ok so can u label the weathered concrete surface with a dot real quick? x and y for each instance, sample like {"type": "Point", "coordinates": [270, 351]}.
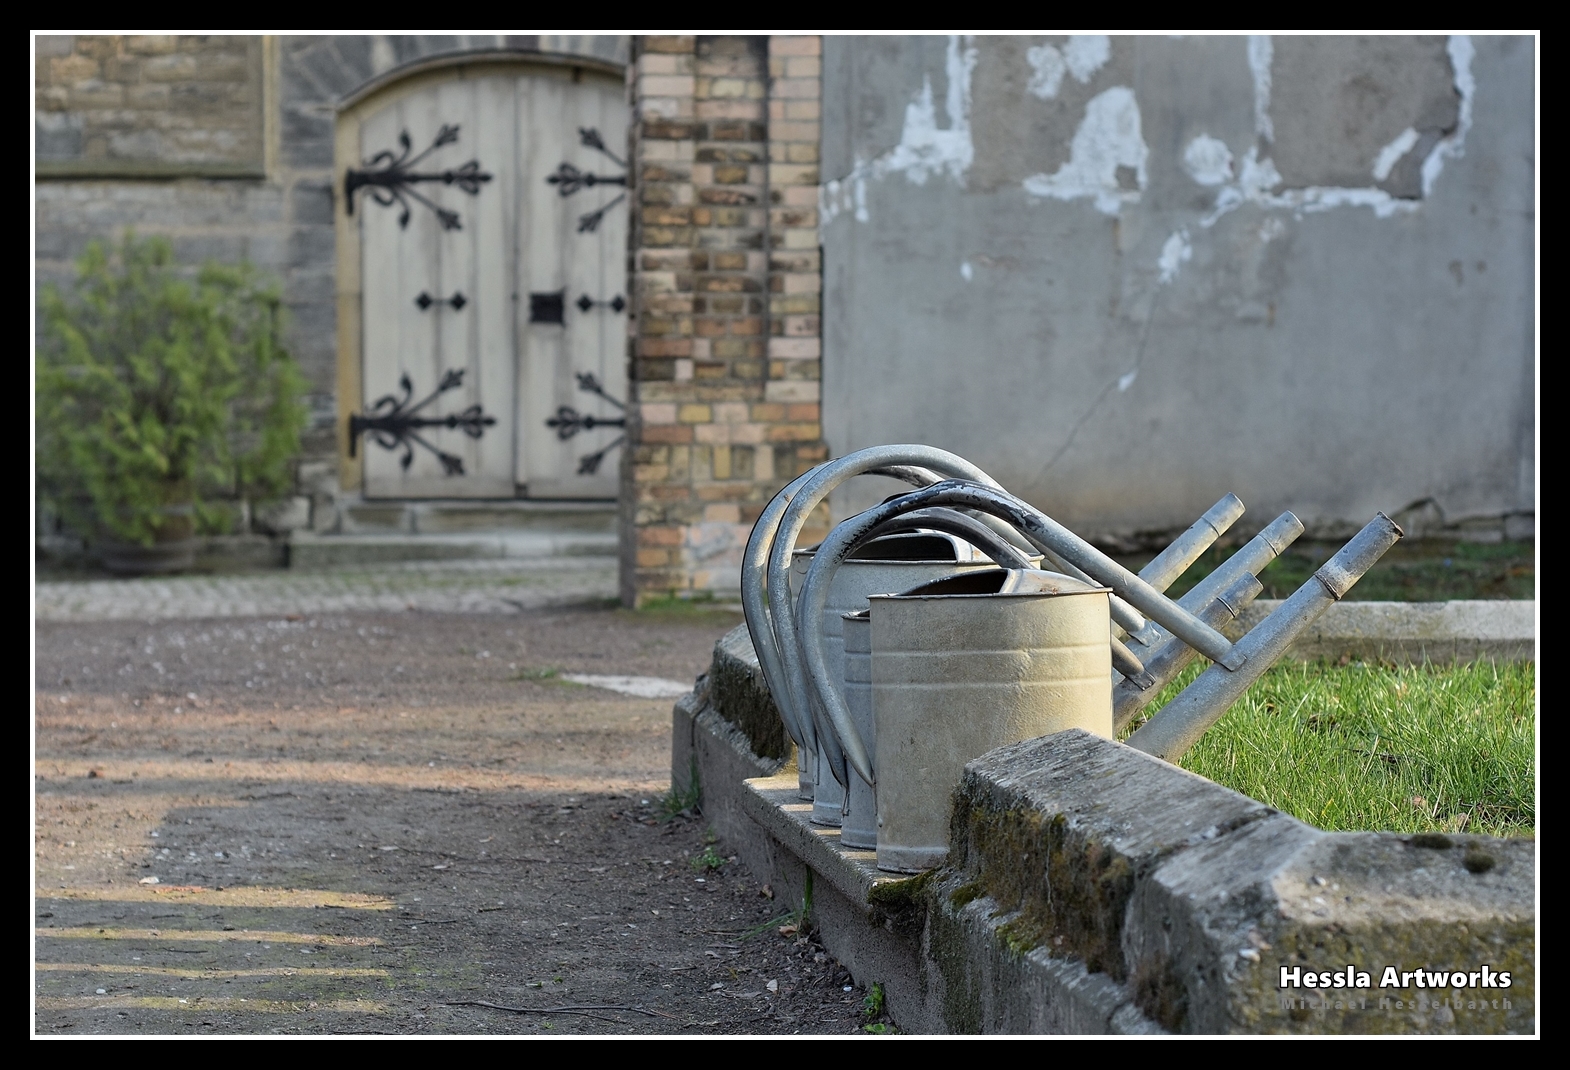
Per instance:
{"type": "Point", "coordinates": [1195, 897]}
{"type": "Point", "coordinates": [1209, 933]}
{"type": "Point", "coordinates": [1411, 632]}
{"type": "Point", "coordinates": [1127, 276]}
{"type": "Point", "coordinates": [742, 697]}
{"type": "Point", "coordinates": [1093, 889]}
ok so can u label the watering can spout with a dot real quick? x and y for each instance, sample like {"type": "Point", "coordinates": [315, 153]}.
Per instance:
{"type": "Point", "coordinates": [1170, 733]}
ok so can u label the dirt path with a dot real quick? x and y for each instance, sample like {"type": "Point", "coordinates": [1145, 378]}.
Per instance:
{"type": "Point", "coordinates": [372, 823]}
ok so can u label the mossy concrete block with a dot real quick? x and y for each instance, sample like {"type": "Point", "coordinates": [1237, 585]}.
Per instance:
{"type": "Point", "coordinates": [980, 983]}
{"type": "Point", "coordinates": [1211, 930]}
{"type": "Point", "coordinates": [1061, 829]}
{"type": "Point", "coordinates": [1091, 888]}
{"type": "Point", "coordinates": [712, 755]}
{"type": "Point", "coordinates": [742, 697]}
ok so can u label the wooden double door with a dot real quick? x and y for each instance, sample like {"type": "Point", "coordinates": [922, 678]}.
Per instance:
{"type": "Point", "coordinates": [492, 214]}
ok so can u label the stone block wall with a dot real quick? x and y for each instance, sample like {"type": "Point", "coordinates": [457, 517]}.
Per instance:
{"type": "Point", "coordinates": [150, 106]}
{"type": "Point", "coordinates": [224, 145]}
{"type": "Point", "coordinates": [726, 271]}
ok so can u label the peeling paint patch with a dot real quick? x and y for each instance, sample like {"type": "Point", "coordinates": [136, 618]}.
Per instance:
{"type": "Point", "coordinates": [1048, 68]}
{"type": "Point", "coordinates": [1260, 55]}
{"type": "Point", "coordinates": [1208, 160]}
{"type": "Point", "coordinates": [1461, 52]}
{"type": "Point", "coordinates": [925, 148]}
{"type": "Point", "coordinates": [1127, 380]}
{"type": "Point", "coordinates": [1391, 154]}
{"type": "Point", "coordinates": [1258, 179]}
{"type": "Point", "coordinates": [1086, 54]}
{"type": "Point", "coordinates": [1082, 56]}
{"type": "Point", "coordinates": [966, 272]}
{"type": "Point", "coordinates": [1174, 254]}
{"type": "Point", "coordinates": [1107, 156]}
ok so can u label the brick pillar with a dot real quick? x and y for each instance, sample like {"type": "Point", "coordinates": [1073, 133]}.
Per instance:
{"type": "Point", "coordinates": [725, 352]}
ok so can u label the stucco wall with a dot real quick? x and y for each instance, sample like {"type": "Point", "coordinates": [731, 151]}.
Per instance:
{"type": "Point", "coordinates": [1127, 276]}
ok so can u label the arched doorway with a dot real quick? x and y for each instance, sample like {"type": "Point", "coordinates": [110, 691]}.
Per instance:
{"type": "Point", "coordinates": [482, 260]}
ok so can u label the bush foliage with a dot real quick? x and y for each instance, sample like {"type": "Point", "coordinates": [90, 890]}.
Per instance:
{"type": "Point", "coordinates": [161, 388]}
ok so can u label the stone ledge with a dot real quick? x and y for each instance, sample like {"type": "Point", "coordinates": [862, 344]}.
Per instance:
{"type": "Point", "coordinates": [1412, 632]}
{"type": "Point", "coordinates": [1091, 888]}
{"type": "Point", "coordinates": [773, 803]}
{"type": "Point", "coordinates": [308, 551]}
{"type": "Point", "coordinates": [1193, 895]}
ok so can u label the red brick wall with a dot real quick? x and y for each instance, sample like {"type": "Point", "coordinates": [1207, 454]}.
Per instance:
{"type": "Point", "coordinates": [726, 277]}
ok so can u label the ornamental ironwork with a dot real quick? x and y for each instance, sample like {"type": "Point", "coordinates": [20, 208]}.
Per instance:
{"type": "Point", "coordinates": [568, 421]}
{"type": "Point", "coordinates": [390, 179]}
{"type": "Point", "coordinates": [569, 180]}
{"type": "Point", "coordinates": [587, 303]}
{"type": "Point", "coordinates": [394, 423]}
{"type": "Point", "coordinates": [455, 302]}
{"type": "Point", "coordinates": [548, 307]}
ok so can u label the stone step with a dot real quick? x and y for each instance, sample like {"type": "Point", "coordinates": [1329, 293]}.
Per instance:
{"type": "Point", "coordinates": [457, 516]}
{"type": "Point", "coordinates": [311, 551]}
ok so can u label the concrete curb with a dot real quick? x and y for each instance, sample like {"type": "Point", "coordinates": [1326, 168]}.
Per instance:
{"type": "Point", "coordinates": [1412, 632]}
{"type": "Point", "coordinates": [309, 551]}
{"type": "Point", "coordinates": [1094, 889]}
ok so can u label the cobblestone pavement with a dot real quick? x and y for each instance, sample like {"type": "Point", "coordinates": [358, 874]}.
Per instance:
{"type": "Point", "coordinates": [480, 586]}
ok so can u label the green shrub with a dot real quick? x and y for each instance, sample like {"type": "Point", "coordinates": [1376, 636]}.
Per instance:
{"type": "Point", "coordinates": [157, 390]}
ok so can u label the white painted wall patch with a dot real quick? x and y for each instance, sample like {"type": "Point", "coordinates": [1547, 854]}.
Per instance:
{"type": "Point", "coordinates": [1261, 54]}
{"type": "Point", "coordinates": [1177, 251]}
{"type": "Point", "coordinates": [1208, 160]}
{"type": "Point", "coordinates": [1461, 52]}
{"type": "Point", "coordinates": [1391, 154]}
{"type": "Point", "coordinates": [1048, 69]}
{"type": "Point", "coordinates": [1087, 53]}
{"type": "Point", "coordinates": [1081, 55]}
{"type": "Point", "coordinates": [925, 148]}
{"type": "Point", "coordinates": [1108, 138]}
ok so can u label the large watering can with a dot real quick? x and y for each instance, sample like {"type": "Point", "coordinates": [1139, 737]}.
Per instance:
{"type": "Point", "coordinates": [965, 665]}
{"type": "Point", "coordinates": [888, 563]}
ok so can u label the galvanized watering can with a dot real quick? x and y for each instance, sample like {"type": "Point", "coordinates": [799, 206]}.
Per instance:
{"type": "Point", "coordinates": [1148, 640]}
{"type": "Point", "coordinates": [965, 665]}
{"type": "Point", "coordinates": [888, 563]}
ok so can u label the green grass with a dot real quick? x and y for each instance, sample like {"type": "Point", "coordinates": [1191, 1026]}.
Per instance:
{"type": "Point", "coordinates": [1376, 747]}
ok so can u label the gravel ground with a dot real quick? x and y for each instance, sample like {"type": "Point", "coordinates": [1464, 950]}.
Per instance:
{"type": "Point", "coordinates": [382, 822]}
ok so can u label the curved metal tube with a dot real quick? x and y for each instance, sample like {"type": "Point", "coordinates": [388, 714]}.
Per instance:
{"type": "Point", "coordinates": [900, 461]}
{"type": "Point", "coordinates": [756, 609]}
{"type": "Point", "coordinates": [1046, 533]}
{"type": "Point", "coordinates": [810, 627]}
{"type": "Point", "coordinates": [954, 522]}
{"type": "Point", "coordinates": [832, 552]}
{"type": "Point", "coordinates": [755, 605]}
{"type": "Point", "coordinates": [1040, 529]}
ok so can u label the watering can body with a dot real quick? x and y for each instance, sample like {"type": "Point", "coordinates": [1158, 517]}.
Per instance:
{"type": "Point", "coordinates": [964, 666]}
{"type": "Point", "coordinates": [860, 826]}
{"type": "Point", "coordinates": [884, 565]}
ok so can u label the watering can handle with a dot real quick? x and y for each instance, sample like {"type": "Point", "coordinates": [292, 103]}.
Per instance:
{"type": "Point", "coordinates": [901, 459]}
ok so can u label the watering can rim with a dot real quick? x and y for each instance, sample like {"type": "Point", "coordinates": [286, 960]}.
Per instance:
{"type": "Point", "coordinates": [1071, 586]}
{"type": "Point", "coordinates": [954, 541]}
